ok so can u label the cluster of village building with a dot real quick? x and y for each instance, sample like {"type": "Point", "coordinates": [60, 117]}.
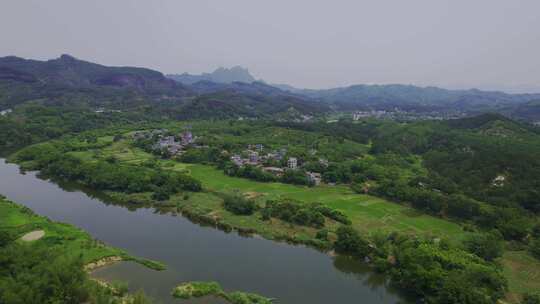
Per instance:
{"type": "Point", "coordinates": [256, 157]}
{"type": "Point", "coordinates": [166, 142]}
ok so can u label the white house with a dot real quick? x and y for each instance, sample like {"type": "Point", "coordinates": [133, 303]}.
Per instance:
{"type": "Point", "coordinates": [292, 163]}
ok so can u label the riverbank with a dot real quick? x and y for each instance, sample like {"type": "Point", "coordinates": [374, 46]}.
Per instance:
{"type": "Point", "coordinates": [18, 221]}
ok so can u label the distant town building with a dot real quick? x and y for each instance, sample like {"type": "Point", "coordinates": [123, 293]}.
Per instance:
{"type": "Point", "coordinates": [360, 115]}
{"type": "Point", "coordinates": [292, 163]}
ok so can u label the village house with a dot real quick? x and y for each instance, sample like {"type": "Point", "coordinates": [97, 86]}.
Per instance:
{"type": "Point", "coordinates": [187, 138]}
{"type": "Point", "coordinates": [254, 157]}
{"type": "Point", "coordinates": [314, 178]}
{"type": "Point", "coordinates": [168, 143]}
{"type": "Point", "coordinates": [237, 160]}
{"type": "Point", "coordinates": [274, 170]}
{"type": "Point", "coordinates": [498, 181]}
{"type": "Point", "coordinates": [257, 147]}
{"type": "Point", "coordinates": [323, 162]}
{"type": "Point", "coordinates": [292, 163]}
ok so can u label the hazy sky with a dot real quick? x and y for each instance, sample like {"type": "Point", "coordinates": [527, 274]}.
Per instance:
{"type": "Point", "coordinates": [307, 43]}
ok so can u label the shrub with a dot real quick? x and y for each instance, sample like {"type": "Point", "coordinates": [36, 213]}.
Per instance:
{"type": "Point", "coordinates": [239, 205]}
{"type": "Point", "coordinates": [350, 242]}
{"type": "Point", "coordinates": [488, 246]}
{"type": "Point", "coordinates": [322, 235]}
{"type": "Point", "coordinates": [534, 248]}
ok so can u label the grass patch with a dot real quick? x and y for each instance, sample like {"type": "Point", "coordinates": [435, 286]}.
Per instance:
{"type": "Point", "coordinates": [196, 290]}
{"type": "Point", "coordinates": [203, 289]}
{"type": "Point", "coordinates": [367, 213]}
{"type": "Point", "coordinates": [523, 273]}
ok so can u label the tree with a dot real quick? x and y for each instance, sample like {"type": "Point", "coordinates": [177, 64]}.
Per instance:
{"type": "Point", "coordinates": [238, 204]}
{"type": "Point", "coordinates": [488, 246]}
{"type": "Point", "coordinates": [5, 238]}
{"type": "Point", "coordinates": [160, 195]}
{"type": "Point", "coordinates": [534, 248]}
{"type": "Point", "coordinates": [462, 207]}
{"type": "Point", "coordinates": [350, 242]}
{"type": "Point", "coordinates": [41, 275]}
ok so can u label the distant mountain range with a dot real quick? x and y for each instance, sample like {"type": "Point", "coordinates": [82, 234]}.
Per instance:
{"type": "Point", "coordinates": [221, 75]}
{"type": "Point", "coordinates": [71, 72]}
{"type": "Point", "coordinates": [228, 92]}
{"type": "Point", "coordinates": [67, 81]}
{"type": "Point", "coordinates": [407, 96]}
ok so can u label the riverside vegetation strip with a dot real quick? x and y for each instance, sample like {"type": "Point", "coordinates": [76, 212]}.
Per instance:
{"type": "Point", "coordinates": [190, 290]}
{"type": "Point", "coordinates": [54, 266]}
{"type": "Point", "coordinates": [365, 212]}
{"type": "Point", "coordinates": [17, 220]}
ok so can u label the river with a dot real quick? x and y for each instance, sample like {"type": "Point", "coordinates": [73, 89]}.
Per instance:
{"type": "Point", "coordinates": [291, 274]}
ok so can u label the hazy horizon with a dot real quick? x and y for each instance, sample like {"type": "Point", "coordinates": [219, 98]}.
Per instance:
{"type": "Point", "coordinates": [485, 44]}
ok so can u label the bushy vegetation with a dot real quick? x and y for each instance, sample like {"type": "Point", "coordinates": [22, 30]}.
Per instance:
{"type": "Point", "coordinates": [300, 213]}
{"type": "Point", "coordinates": [202, 289]}
{"type": "Point", "coordinates": [36, 123]}
{"type": "Point", "coordinates": [239, 204]}
{"type": "Point", "coordinates": [106, 175]}
{"type": "Point", "coordinates": [435, 270]}
{"type": "Point", "coordinates": [196, 290]}
{"type": "Point", "coordinates": [488, 246]}
{"type": "Point", "coordinates": [531, 299]}
{"type": "Point", "coordinates": [250, 172]}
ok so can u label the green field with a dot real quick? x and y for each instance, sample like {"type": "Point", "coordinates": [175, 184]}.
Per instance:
{"type": "Point", "coordinates": [522, 272]}
{"type": "Point", "coordinates": [368, 213]}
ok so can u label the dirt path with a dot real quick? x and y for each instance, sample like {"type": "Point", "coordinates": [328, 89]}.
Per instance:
{"type": "Point", "coordinates": [33, 236]}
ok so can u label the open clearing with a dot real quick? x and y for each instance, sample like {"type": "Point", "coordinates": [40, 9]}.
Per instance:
{"type": "Point", "coordinates": [33, 236]}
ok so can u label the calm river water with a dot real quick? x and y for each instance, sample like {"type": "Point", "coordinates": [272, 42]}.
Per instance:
{"type": "Point", "coordinates": [291, 274]}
